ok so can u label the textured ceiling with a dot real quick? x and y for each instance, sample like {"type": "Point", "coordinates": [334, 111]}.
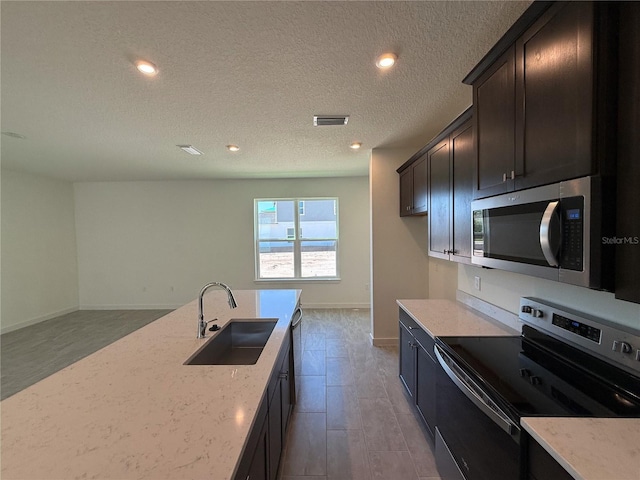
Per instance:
{"type": "Point", "coordinates": [245, 73]}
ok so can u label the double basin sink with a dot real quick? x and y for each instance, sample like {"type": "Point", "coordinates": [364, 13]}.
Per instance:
{"type": "Point", "coordinates": [240, 342]}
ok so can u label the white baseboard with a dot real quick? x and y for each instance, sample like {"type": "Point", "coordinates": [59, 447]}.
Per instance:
{"type": "Point", "coordinates": [383, 342]}
{"type": "Point", "coordinates": [131, 307]}
{"type": "Point", "coordinates": [33, 321]}
{"type": "Point", "coordinates": [328, 306]}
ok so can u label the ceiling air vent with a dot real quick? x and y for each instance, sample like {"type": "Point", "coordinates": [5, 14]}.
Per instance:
{"type": "Point", "coordinates": [324, 120]}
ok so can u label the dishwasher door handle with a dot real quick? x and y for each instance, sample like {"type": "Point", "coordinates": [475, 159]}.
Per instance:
{"type": "Point", "coordinates": [493, 412]}
{"type": "Point", "coordinates": [296, 321]}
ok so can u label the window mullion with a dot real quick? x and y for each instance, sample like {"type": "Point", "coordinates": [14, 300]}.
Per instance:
{"type": "Point", "coordinates": [297, 258]}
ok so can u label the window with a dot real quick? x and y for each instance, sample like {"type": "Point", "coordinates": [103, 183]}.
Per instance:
{"type": "Point", "coordinates": [296, 239]}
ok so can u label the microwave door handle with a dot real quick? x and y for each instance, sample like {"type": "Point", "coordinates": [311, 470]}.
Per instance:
{"type": "Point", "coordinates": [487, 409]}
{"type": "Point", "coordinates": [545, 233]}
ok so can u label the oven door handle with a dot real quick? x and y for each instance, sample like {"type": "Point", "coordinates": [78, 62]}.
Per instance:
{"type": "Point", "coordinates": [465, 385]}
{"type": "Point", "coordinates": [545, 234]}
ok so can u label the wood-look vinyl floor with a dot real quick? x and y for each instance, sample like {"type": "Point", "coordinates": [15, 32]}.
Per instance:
{"type": "Point", "coordinates": [32, 353]}
{"type": "Point", "coordinates": [352, 420]}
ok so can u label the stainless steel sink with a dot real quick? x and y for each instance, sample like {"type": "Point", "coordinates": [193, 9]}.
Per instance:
{"type": "Point", "coordinates": [240, 342]}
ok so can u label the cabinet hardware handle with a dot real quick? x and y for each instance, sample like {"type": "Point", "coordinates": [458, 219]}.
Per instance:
{"type": "Point", "coordinates": [504, 177]}
{"type": "Point", "coordinates": [513, 175]}
{"type": "Point", "coordinates": [411, 328]}
{"type": "Point", "coordinates": [284, 375]}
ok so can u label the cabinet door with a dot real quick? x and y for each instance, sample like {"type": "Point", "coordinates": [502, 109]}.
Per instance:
{"type": "Point", "coordinates": [286, 386]}
{"type": "Point", "coordinates": [541, 465]}
{"type": "Point", "coordinates": [494, 120]}
{"type": "Point", "coordinates": [420, 186]}
{"type": "Point", "coordinates": [628, 200]}
{"type": "Point", "coordinates": [275, 431]}
{"type": "Point", "coordinates": [426, 388]}
{"type": "Point", "coordinates": [259, 465]}
{"type": "Point", "coordinates": [554, 97]}
{"type": "Point", "coordinates": [439, 200]}
{"type": "Point", "coordinates": [406, 192]}
{"type": "Point", "coordinates": [462, 160]}
{"type": "Point", "coordinates": [407, 360]}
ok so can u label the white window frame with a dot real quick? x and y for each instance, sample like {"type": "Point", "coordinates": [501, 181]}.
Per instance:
{"type": "Point", "coordinates": [297, 256]}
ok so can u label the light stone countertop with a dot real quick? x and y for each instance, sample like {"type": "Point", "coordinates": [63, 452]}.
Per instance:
{"type": "Point", "coordinates": [133, 410]}
{"type": "Point", "coordinates": [590, 448]}
{"type": "Point", "coordinates": [447, 318]}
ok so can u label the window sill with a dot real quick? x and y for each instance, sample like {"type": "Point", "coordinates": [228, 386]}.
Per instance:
{"type": "Point", "coordinates": [298, 280]}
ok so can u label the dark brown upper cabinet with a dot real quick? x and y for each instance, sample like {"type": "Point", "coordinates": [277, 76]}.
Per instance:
{"type": "Point", "coordinates": [544, 101]}
{"type": "Point", "coordinates": [413, 186]}
{"type": "Point", "coordinates": [628, 199]}
{"type": "Point", "coordinates": [451, 160]}
{"type": "Point", "coordinates": [494, 101]}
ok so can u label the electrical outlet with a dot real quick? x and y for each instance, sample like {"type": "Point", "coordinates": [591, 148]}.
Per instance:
{"type": "Point", "coordinates": [476, 283]}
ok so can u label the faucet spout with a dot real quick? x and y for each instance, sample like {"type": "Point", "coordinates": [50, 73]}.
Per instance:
{"type": "Point", "coordinates": [202, 325]}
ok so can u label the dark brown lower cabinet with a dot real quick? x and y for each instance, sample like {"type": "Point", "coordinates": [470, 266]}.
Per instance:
{"type": "Point", "coordinates": [418, 369]}
{"type": "Point", "coordinates": [407, 359]}
{"type": "Point", "coordinates": [261, 459]}
{"type": "Point", "coordinates": [541, 465]}
{"type": "Point", "coordinates": [275, 432]}
{"type": "Point", "coordinates": [259, 464]}
{"type": "Point", "coordinates": [426, 387]}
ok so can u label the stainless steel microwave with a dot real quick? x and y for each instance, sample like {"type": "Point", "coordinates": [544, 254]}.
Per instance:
{"type": "Point", "coordinates": [555, 232]}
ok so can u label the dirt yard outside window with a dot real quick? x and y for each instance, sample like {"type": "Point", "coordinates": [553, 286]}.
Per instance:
{"type": "Point", "coordinates": [314, 264]}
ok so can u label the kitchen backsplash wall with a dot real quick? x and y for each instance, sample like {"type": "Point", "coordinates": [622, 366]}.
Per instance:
{"type": "Point", "coordinates": [504, 289]}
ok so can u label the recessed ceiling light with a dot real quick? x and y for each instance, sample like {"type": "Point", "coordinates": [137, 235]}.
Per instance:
{"type": "Point", "coordinates": [233, 148]}
{"type": "Point", "coordinates": [386, 60]}
{"type": "Point", "coordinates": [147, 68]}
{"type": "Point", "coordinates": [355, 145]}
{"type": "Point", "coordinates": [190, 149]}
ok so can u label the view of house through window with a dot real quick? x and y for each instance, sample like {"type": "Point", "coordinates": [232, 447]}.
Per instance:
{"type": "Point", "coordinates": [296, 238]}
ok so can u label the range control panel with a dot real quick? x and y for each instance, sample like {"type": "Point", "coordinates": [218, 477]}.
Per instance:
{"type": "Point", "coordinates": [579, 328]}
{"type": "Point", "coordinates": [615, 343]}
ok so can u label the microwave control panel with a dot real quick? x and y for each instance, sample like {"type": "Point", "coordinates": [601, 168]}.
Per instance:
{"type": "Point", "coordinates": [572, 233]}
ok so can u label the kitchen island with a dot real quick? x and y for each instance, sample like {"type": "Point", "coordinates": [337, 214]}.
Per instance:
{"type": "Point", "coordinates": [133, 410]}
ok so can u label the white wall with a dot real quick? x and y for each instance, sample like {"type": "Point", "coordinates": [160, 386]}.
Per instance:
{"type": "Point", "coordinates": [39, 267]}
{"type": "Point", "coordinates": [155, 244]}
{"type": "Point", "coordinates": [504, 289]}
{"type": "Point", "coordinates": [399, 261]}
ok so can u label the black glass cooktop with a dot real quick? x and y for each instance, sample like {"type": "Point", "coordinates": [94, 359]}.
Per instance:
{"type": "Point", "coordinates": [535, 374]}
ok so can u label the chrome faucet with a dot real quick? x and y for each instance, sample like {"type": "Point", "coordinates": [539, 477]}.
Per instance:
{"type": "Point", "coordinates": [202, 325]}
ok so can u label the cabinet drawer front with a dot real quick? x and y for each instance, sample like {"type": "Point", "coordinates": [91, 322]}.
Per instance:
{"type": "Point", "coordinates": [423, 338]}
